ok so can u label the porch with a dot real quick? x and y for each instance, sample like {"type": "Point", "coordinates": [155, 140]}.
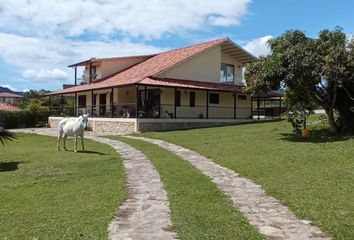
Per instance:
{"type": "Point", "coordinates": [141, 108]}
{"type": "Point", "coordinates": [153, 102]}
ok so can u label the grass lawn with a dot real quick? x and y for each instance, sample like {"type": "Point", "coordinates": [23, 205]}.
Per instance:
{"type": "Point", "coordinates": [46, 194]}
{"type": "Point", "coordinates": [199, 210]}
{"type": "Point", "coordinates": [313, 177]}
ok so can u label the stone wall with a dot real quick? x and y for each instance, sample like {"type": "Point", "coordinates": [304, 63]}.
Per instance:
{"type": "Point", "coordinates": [131, 125]}
{"type": "Point", "coordinates": [103, 125]}
{"type": "Point", "coordinates": [114, 127]}
{"type": "Point", "coordinates": [147, 125]}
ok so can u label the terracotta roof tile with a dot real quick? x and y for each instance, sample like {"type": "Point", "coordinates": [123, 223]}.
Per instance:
{"type": "Point", "coordinates": [8, 107]}
{"type": "Point", "coordinates": [149, 68]}
{"type": "Point", "coordinates": [6, 94]}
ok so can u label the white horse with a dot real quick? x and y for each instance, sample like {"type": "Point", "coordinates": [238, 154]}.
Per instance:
{"type": "Point", "coordinates": [73, 127]}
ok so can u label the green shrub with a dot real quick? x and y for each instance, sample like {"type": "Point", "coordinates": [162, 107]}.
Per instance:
{"type": "Point", "coordinates": [24, 118]}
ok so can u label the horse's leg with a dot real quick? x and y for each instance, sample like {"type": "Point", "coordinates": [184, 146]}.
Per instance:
{"type": "Point", "coordinates": [82, 143]}
{"type": "Point", "coordinates": [75, 143]}
{"type": "Point", "coordinates": [59, 137]}
{"type": "Point", "coordinates": [64, 140]}
{"type": "Point", "coordinates": [58, 142]}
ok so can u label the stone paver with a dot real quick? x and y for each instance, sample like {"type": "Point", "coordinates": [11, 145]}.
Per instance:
{"type": "Point", "coordinates": [146, 213]}
{"type": "Point", "coordinates": [267, 214]}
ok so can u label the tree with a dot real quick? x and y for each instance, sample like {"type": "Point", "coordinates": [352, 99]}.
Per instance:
{"type": "Point", "coordinates": [320, 70]}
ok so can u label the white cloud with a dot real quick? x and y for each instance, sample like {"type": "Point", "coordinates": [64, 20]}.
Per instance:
{"type": "Point", "coordinates": [258, 46]}
{"type": "Point", "coordinates": [43, 60]}
{"type": "Point", "coordinates": [42, 74]}
{"type": "Point", "coordinates": [10, 87]}
{"type": "Point", "coordinates": [150, 19]}
{"type": "Point", "coordinates": [350, 37]}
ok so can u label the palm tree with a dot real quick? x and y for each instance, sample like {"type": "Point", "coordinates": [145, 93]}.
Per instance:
{"type": "Point", "coordinates": [5, 135]}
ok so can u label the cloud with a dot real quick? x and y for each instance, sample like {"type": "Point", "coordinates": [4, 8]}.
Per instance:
{"type": "Point", "coordinates": [132, 18]}
{"type": "Point", "coordinates": [10, 87]}
{"type": "Point", "coordinates": [44, 60]}
{"type": "Point", "coordinates": [258, 46]}
{"type": "Point", "coordinates": [42, 74]}
{"type": "Point", "coordinates": [350, 37]}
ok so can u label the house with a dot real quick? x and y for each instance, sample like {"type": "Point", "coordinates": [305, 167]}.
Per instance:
{"type": "Point", "coordinates": [10, 98]}
{"type": "Point", "coordinates": [194, 86]}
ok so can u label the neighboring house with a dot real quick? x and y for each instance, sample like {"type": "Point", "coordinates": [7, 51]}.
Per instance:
{"type": "Point", "coordinates": [10, 98]}
{"type": "Point", "coordinates": [199, 85]}
{"type": "Point", "coordinates": [8, 107]}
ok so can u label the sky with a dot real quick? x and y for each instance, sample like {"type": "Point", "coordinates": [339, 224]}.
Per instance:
{"type": "Point", "coordinates": [40, 38]}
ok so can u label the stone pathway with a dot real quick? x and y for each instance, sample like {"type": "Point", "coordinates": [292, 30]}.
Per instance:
{"type": "Point", "coordinates": [146, 213]}
{"type": "Point", "coordinates": [267, 214]}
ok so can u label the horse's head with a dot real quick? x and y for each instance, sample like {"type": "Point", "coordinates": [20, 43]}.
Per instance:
{"type": "Point", "coordinates": [84, 119]}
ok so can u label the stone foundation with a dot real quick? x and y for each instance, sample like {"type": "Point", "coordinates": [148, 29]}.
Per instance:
{"type": "Point", "coordinates": [104, 125]}
{"type": "Point", "coordinates": [147, 125]}
{"type": "Point", "coordinates": [131, 125]}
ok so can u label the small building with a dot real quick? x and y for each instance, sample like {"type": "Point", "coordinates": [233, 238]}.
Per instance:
{"type": "Point", "coordinates": [195, 86]}
{"type": "Point", "coordinates": [10, 98]}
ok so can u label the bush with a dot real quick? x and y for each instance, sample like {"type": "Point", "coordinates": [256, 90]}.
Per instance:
{"type": "Point", "coordinates": [23, 119]}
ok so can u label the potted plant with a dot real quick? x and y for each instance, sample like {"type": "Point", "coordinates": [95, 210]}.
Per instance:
{"type": "Point", "coordinates": [298, 111]}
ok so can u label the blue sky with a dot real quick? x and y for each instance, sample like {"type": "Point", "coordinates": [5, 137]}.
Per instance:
{"type": "Point", "coordinates": [37, 41]}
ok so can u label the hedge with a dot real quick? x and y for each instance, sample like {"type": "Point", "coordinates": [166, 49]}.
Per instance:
{"type": "Point", "coordinates": [23, 119]}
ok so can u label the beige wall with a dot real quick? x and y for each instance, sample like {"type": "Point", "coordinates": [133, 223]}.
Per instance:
{"type": "Point", "coordinates": [222, 110]}
{"type": "Point", "coordinates": [113, 66]}
{"type": "Point", "coordinates": [109, 67]}
{"type": "Point", "coordinates": [225, 108]}
{"type": "Point", "coordinates": [127, 95]}
{"type": "Point", "coordinates": [204, 67]}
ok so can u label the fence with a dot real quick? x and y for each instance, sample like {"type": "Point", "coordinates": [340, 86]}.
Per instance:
{"type": "Point", "coordinates": [156, 111]}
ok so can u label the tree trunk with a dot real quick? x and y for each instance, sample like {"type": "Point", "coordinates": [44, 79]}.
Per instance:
{"type": "Point", "coordinates": [345, 106]}
{"type": "Point", "coordinates": [333, 126]}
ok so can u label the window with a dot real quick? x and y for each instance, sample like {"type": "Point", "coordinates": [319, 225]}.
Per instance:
{"type": "Point", "coordinates": [178, 98]}
{"type": "Point", "coordinates": [242, 97]}
{"type": "Point", "coordinates": [10, 100]}
{"type": "Point", "coordinates": [214, 98]}
{"type": "Point", "coordinates": [192, 99]}
{"type": "Point", "coordinates": [82, 101]}
{"type": "Point", "coordinates": [227, 73]}
{"type": "Point", "coordinates": [94, 72]}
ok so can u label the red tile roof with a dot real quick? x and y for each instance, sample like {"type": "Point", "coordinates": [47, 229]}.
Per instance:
{"type": "Point", "coordinates": [142, 72]}
{"type": "Point", "coordinates": [6, 94]}
{"type": "Point", "coordinates": [83, 63]}
{"type": "Point", "coordinates": [8, 107]}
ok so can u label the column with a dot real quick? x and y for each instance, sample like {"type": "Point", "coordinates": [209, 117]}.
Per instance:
{"type": "Point", "coordinates": [207, 104]}
{"type": "Point", "coordinates": [235, 108]}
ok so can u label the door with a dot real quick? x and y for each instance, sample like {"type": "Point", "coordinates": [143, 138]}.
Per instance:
{"type": "Point", "coordinates": [103, 102]}
{"type": "Point", "coordinates": [149, 103]}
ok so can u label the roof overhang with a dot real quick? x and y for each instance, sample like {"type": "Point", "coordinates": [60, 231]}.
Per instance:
{"type": "Point", "coordinates": [158, 82]}
{"type": "Point", "coordinates": [234, 50]}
